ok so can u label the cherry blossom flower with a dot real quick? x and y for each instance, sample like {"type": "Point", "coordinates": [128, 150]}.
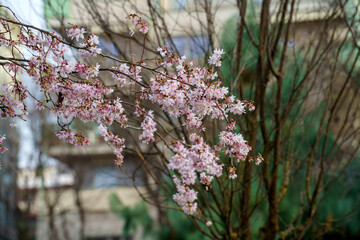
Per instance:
{"type": "Point", "coordinates": [232, 172]}
{"type": "Point", "coordinates": [75, 32]}
{"type": "Point", "coordinates": [120, 74]}
{"type": "Point", "coordinates": [189, 162]}
{"type": "Point", "coordinates": [163, 51]}
{"type": "Point", "coordinates": [235, 145]}
{"type": "Point", "coordinates": [149, 127]}
{"type": "Point", "coordinates": [215, 59]}
{"type": "Point", "coordinates": [73, 138]}
{"type": "Point", "coordinates": [93, 39]}
{"type": "Point", "coordinates": [115, 141]}
{"type": "Point", "coordinates": [138, 24]}
{"type": "Point", "coordinates": [259, 159]}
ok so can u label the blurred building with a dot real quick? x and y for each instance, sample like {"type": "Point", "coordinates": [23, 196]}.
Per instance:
{"type": "Point", "coordinates": [73, 203]}
{"type": "Point", "coordinates": [71, 199]}
{"type": "Point", "coordinates": [186, 20]}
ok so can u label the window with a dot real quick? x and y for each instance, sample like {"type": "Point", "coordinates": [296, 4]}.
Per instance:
{"type": "Point", "coordinates": [178, 4]}
{"type": "Point", "coordinates": [184, 4]}
{"type": "Point", "coordinates": [192, 47]}
{"type": "Point", "coordinates": [108, 176]}
{"type": "Point", "coordinates": [105, 177]}
{"type": "Point", "coordinates": [108, 47]}
{"type": "Point", "coordinates": [181, 4]}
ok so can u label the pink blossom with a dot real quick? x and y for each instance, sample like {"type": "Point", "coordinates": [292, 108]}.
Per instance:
{"type": "Point", "coordinates": [163, 51]}
{"type": "Point", "coordinates": [120, 74]}
{"type": "Point", "coordinates": [237, 108]}
{"type": "Point", "coordinates": [232, 172]}
{"type": "Point", "coordinates": [232, 175]}
{"type": "Point", "coordinates": [205, 179]}
{"type": "Point", "coordinates": [138, 24]}
{"type": "Point", "coordinates": [115, 141]}
{"type": "Point", "coordinates": [93, 39]}
{"type": "Point", "coordinates": [39, 105]}
{"type": "Point", "coordinates": [259, 159]}
{"type": "Point", "coordinates": [215, 59]}
{"type": "Point", "coordinates": [148, 127]}
{"type": "Point", "coordinates": [71, 137]}
{"type": "Point", "coordinates": [185, 198]}
{"type": "Point", "coordinates": [198, 161]}
{"type": "Point", "coordinates": [75, 32]}
{"type": "Point", "coordinates": [135, 73]}
{"type": "Point", "coordinates": [234, 145]}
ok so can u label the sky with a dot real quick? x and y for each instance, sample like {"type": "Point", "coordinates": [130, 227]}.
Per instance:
{"type": "Point", "coordinates": [28, 11]}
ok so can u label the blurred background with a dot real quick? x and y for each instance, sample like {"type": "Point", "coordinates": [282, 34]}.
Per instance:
{"type": "Point", "coordinates": [51, 190]}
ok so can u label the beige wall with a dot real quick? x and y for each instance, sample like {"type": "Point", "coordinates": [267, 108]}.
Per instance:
{"type": "Point", "coordinates": [99, 220]}
{"type": "Point", "coordinates": [189, 21]}
{"type": "Point", "coordinates": [97, 224]}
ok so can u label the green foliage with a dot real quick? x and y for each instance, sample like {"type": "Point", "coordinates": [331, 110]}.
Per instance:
{"type": "Point", "coordinates": [301, 128]}
{"type": "Point", "coordinates": [56, 8]}
{"type": "Point", "coordinates": [137, 218]}
{"type": "Point", "coordinates": [343, 200]}
{"type": "Point", "coordinates": [248, 52]}
{"type": "Point", "coordinates": [133, 217]}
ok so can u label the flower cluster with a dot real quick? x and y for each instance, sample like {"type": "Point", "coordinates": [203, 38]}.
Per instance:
{"type": "Point", "coordinates": [123, 72]}
{"type": "Point", "coordinates": [73, 138]}
{"type": "Point", "coordinates": [200, 160]}
{"type": "Point", "coordinates": [73, 90]}
{"type": "Point", "coordinates": [115, 141]}
{"type": "Point", "coordinates": [232, 172]}
{"type": "Point", "coordinates": [235, 145]}
{"type": "Point", "coordinates": [138, 24]}
{"type": "Point", "coordinates": [163, 51]}
{"type": "Point", "coordinates": [90, 45]}
{"type": "Point", "coordinates": [11, 100]}
{"type": "Point", "coordinates": [193, 92]}
{"type": "Point", "coordinates": [258, 159]}
{"type": "Point", "coordinates": [85, 98]}
{"type": "Point", "coordinates": [185, 197]}
{"type": "Point", "coordinates": [148, 127]}
{"type": "Point", "coordinates": [76, 32]}
{"type": "Point", "coordinates": [215, 59]}
{"type": "Point", "coordinates": [120, 74]}
{"type": "Point", "coordinates": [135, 74]}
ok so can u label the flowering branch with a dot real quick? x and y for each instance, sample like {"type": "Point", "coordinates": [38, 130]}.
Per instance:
{"type": "Point", "coordinates": [72, 89]}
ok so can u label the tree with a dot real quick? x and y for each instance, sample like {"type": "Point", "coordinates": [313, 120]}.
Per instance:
{"type": "Point", "coordinates": [307, 142]}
